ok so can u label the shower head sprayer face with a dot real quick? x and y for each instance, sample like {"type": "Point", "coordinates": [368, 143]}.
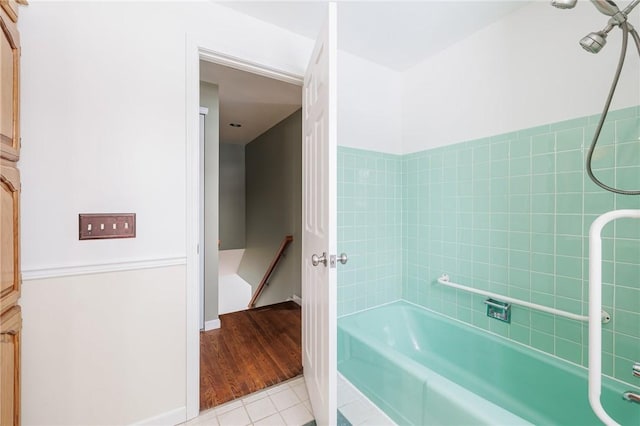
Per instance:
{"type": "Point", "coordinates": [564, 4]}
{"type": "Point", "coordinates": [594, 42]}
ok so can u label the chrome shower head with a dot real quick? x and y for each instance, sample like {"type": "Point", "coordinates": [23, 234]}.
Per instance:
{"type": "Point", "coordinates": [564, 4]}
{"type": "Point", "coordinates": [607, 7]}
{"type": "Point", "coordinates": [594, 42]}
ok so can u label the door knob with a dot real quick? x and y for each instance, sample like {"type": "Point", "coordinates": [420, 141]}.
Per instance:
{"type": "Point", "coordinates": [316, 260]}
{"type": "Point", "coordinates": [342, 258]}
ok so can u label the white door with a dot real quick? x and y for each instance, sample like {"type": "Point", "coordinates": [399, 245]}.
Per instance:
{"type": "Point", "coordinates": [319, 212]}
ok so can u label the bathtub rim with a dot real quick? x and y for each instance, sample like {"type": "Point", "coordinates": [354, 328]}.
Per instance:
{"type": "Point", "coordinates": [505, 339]}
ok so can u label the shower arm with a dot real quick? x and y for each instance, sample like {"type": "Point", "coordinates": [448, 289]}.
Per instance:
{"type": "Point", "coordinates": [619, 17]}
{"type": "Point", "coordinates": [629, 8]}
{"type": "Point", "coordinates": [636, 38]}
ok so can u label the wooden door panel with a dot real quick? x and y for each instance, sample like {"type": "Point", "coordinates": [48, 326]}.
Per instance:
{"type": "Point", "coordinates": [9, 88]}
{"type": "Point", "coordinates": [10, 236]}
{"type": "Point", "coordinates": [10, 332]}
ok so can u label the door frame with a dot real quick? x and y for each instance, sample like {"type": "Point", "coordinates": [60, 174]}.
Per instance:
{"type": "Point", "coordinates": [195, 52]}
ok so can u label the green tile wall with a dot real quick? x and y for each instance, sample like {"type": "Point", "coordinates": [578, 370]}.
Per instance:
{"type": "Point", "coordinates": [509, 214]}
{"type": "Point", "coordinates": [369, 228]}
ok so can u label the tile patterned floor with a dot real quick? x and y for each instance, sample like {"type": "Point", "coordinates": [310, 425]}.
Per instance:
{"type": "Point", "coordinates": [285, 404]}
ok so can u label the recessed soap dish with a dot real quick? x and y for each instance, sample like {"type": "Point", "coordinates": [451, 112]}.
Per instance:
{"type": "Point", "coordinates": [498, 310]}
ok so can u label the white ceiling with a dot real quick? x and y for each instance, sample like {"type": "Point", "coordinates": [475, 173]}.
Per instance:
{"type": "Point", "coordinates": [396, 34]}
{"type": "Point", "coordinates": [256, 102]}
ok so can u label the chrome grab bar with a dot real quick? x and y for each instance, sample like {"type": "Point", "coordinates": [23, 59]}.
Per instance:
{"type": "Point", "coordinates": [446, 281]}
{"type": "Point", "coordinates": [497, 305]}
{"type": "Point", "coordinates": [632, 397]}
{"type": "Point", "coordinates": [595, 312]}
{"type": "Point", "coordinates": [635, 370]}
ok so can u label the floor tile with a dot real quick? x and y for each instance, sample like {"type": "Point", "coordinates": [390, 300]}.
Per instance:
{"type": "Point", "coordinates": [207, 418]}
{"type": "Point", "coordinates": [211, 421]}
{"type": "Point", "coordinates": [221, 409]}
{"type": "Point", "coordinates": [284, 399]}
{"type": "Point", "coordinates": [378, 420]}
{"type": "Point", "coordinates": [296, 415]}
{"type": "Point", "coordinates": [236, 417]}
{"type": "Point", "coordinates": [260, 409]}
{"type": "Point", "coordinates": [281, 405]}
{"type": "Point", "coordinates": [346, 395]}
{"type": "Point", "coordinates": [255, 396]}
{"type": "Point", "coordinates": [296, 381]}
{"type": "Point", "coordinates": [300, 389]}
{"type": "Point", "coordinates": [273, 420]}
{"type": "Point", "coordinates": [356, 412]}
{"type": "Point", "coordinates": [278, 388]}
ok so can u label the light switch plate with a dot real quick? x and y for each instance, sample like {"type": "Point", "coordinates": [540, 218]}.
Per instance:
{"type": "Point", "coordinates": [106, 225]}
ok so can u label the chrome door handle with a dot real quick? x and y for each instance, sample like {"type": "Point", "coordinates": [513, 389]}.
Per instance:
{"type": "Point", "coordinates": [316, 260]}
{"type": "Point", "coordinates": [635, 370]}
{"type": "Point", "coordinates": [342, 258]}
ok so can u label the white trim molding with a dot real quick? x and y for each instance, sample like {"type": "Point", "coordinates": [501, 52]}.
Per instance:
{"type": "Point", "coordinates": [297, 299]}
{"type": "Point", "coordinates": [212, 324]}
{"type": "Point", "coordinates": [170, 418]}
{"type": "Point", "coordinates": [248, 66]}
{"type": "Point", "coordinates": [196, 51]}
{"type": "Point", "coordinates": [101, 268]}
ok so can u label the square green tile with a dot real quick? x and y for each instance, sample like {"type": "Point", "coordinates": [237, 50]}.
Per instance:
{"type": "Point", "coordinates": [568, 350]}
{"type": "Point", "coordinates": [569, 224]}
{"type": "Point", "coordinates": [520, 166]}
{"type": "Point", "coordinates": [542, 341]}
{"type": "Point", "coordinates": [520, 147]}
{"type": "Point", "coordinates": [569, 203]}
{"type": "Point", "coordinates": [570, 139]}
{"type": "Point", "coordinates": [544, 263]}
{"type": "Point", "coordinates": [542, 283]}
{"type": "Point", "coordinates": [543, 184]}
{"type": "Point", "coordinates": [628, 129]}
{"type": "Point", "coordinates": [627, 298]}
{"type": "Point", "coordinates": [569, 161]}
{"type": "Point", "coordinates": [627, 346]}
{"type": "Point", "coordinates": [626, 322]}
{"type": "Point", "coordinates": [520, 334]}
{"type": "Point", "coordinates": [543, 144]}
{"type": "Point", "coordinates": [543, 163]}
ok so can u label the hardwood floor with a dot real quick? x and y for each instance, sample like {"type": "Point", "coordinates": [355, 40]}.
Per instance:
{"type": "Point", "coordinates": [251, 350]}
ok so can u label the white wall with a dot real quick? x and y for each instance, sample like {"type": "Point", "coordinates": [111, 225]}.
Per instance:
{"type": "Point", "coordinates": [523, 71]}
{"type": "Point", "coordinates": [369, 105]}
{"type": "Point", "coordinates": [103, 130]}
{"type": "Point", "coordinates": [104, 348]}
{"type": "Point", "coordinates": [209, 98]}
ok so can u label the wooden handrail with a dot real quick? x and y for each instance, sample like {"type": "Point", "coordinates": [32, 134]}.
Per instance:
{"type": "Point", "coordinates": [283, 246]}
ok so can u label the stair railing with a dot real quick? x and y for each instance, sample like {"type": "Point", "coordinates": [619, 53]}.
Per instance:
{"type": "Point", "coordinates": [272, 266]}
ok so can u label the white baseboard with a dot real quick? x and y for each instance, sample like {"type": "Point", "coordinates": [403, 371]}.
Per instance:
{"type": "Point", "coordinates": [170, 418]}
{"type": "Point", "coordinates": [212, 324]}
{"type": "Point", "coordinates": [297, 299]}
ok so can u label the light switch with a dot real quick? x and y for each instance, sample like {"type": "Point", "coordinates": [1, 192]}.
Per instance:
{"type": "Point", "coordinates": [106, 225]}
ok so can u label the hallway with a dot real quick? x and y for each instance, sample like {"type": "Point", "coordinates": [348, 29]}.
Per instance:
{"type": "Point", "coordinates": [252, 350]}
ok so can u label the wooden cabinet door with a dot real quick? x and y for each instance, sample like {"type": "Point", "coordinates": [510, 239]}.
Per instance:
{"type": "Point", "coordinates": [9, 88]}
{"type": "Point", "coordinates": [10, 329]}
{"type": "Point", "coordinates": [9, 236]}
{"type": "Point", "coordinates": [11, 7]}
